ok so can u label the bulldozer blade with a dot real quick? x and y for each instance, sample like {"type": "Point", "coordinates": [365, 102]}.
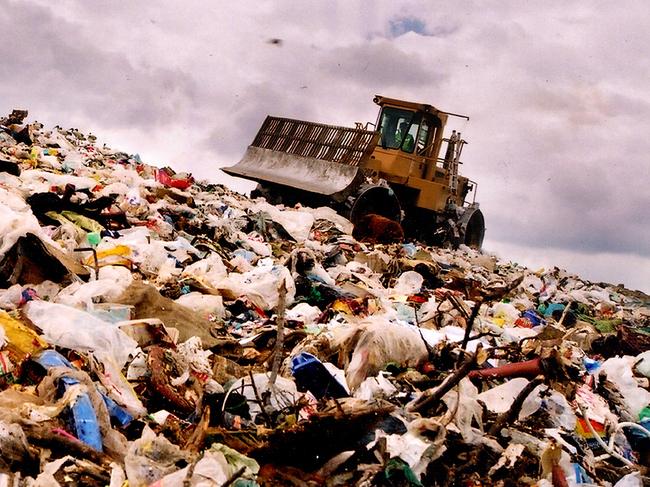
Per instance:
{"type": "Point", "coordinates": [305, 173]}
{"type": "Point", "coordinates": [318, 158]}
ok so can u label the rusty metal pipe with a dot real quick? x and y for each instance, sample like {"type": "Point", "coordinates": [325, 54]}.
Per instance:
{"type": "Point", "coordinates": [529, 368]}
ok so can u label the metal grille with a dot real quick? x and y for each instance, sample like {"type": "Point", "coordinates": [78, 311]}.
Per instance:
{"type": "Point", "coordinates": [326, 142]}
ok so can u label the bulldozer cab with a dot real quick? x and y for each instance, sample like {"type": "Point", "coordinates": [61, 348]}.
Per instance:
{"type": "Point", "coordinates": [410, 139]}
{"type": "Point", "coordinates": [406, 130]}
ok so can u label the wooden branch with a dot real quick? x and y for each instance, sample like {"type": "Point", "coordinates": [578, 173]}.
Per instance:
{"type": "Point", "coordinates": [470, 323]}
{"type": "Point", "coordinates": [279, 340]}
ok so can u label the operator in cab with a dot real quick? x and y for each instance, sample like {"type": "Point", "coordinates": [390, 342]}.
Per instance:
{"type": "Point", "coordinates": [403, 139]}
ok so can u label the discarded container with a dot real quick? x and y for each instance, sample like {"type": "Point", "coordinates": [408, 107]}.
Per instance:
{"type": "Point", "coordinates": [311, 375]}
{"type": "Point", "coordinates": [83, 418]}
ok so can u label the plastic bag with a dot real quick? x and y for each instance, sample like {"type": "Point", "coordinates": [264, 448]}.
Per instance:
{"type": "Point", "coordinates": [373, 344]}
{"type": "Point", "coordinates": [619, 371]}
{"type": "Point", "coordinates": [210, 270]}
{"type": "Point", "coordinates": [211, 470]}
{"type": "Point", "coordinates": [150, 458]}
{"type": "Point", "coordinates": [10, 298]}
{"type": "Point", "coordinates": [111, 283]}
{"type": "Point", "coordinates": [408, 283]}
{"type": "Point", "coordinates": [415, 448]}
{"type": "Point", "coordinates": [463, 406]}
{"type": "Point", "coordinates": [326, 213]}
{"type": "Point", "coordinates": [21, 341]}
{"type": "Point", "coordinates": [261, 285]}
{"type": "Point", "coordinates": [427, 311]}
{"type": "Point", "coordinates": [296, 223]}
{"type": "Point", "coordinates": [72, 328]}
{"type": "Point", "coordinates": [192, 358]}
{"type": "Point", "coordinates": [505, 314]}
{"type": "Point", "coordinates": [35, 176]}
{"type": "Point", "coordinates": [208, 305]}
{"type": "Point", "coordinates": [303, 312]}
{"type": "Point", "coordinates": [630, 480]}
{"type": "Point", "coordinates": [118, 388]}
{"type": "Point", "coordinates": [17, 220]}
{"type": "Point", "coordinates": [643, 363]}
{"type": "Point", "coordinates": [375, 387]}
{"type": "Point", "coordinates": [236, 460]}
{"type": "Point", "coordinates": [500, 398]}
{"type": "Point", "coordinates": [149, 253]}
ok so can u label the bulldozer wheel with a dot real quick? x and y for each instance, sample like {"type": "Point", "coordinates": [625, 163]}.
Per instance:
{"type": "Point", "coordinates": [443, 230]}
{"type": "Point", "coordinates": [474, 230]}
{"type": "Point", "coordinates": [379, 200]}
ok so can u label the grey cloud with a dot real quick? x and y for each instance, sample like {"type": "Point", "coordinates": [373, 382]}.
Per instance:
{"type": "Point", "coordinates": [380, 61]}
{"type": "Point", "coordinates": [56, 69]}
{"type": "Point", "coordinates": [231, 133]}
{"type": "Point", "coordinates": [584, 103]}
{"type": "Point", "coordinates": [579, 209]}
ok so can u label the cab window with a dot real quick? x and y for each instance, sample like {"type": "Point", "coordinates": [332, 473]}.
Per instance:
{"type": "Point", "coordinates": [423, 138]}
{"type": "Point", "coordinates": [391, 121]}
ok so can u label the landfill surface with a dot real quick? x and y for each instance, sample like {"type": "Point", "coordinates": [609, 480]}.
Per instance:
{"type": "Point", "coordinates": [161, 331]}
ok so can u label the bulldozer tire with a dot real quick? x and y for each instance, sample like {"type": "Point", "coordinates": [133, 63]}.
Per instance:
{"type": "Point", "coordinates": [473, 228]}
{"type": "Point", "coordinates": [378, 200]}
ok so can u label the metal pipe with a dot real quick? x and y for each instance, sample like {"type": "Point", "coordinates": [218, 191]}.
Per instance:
{"type": "Point", "coordinates": [455, 115]}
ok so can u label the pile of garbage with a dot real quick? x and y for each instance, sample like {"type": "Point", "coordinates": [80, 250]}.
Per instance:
{"type": "Point", "coordinates": [157, 330]}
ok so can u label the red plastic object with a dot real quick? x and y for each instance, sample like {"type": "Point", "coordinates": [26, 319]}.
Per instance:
{"type": "Point", "coordinates": [164, 177]}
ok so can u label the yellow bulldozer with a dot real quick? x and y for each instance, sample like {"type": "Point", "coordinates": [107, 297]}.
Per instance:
{"type": "Point", "coordinates": [395, 170]}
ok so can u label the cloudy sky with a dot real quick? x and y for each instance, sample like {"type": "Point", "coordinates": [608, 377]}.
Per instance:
{"type": "Point", "coordinates": [557, 92]}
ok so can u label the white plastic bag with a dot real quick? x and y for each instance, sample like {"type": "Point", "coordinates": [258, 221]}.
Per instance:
{"type": "Point", "coordinates": [210, 270]}
{"type": "Point", "coordinates": [415, 448]}
{"type": "Point", "coordinates": [506, 312]}
{"type": "Point", "coordinates": [630, 480]}
{"type": "Point", "coordinates": [207, 305]}
{"type": "Point", "coordinates": [296, 223]}
{"type": "Point", "coordinates": [499, 399]}
{"type": "Point", "coordinates": [17, 220]}
{"type": "Point", "coordinates": [304, 312]}
{"type": "Point", "coordinates": [619, 371]}
{"type": "Point", "coordinates": [150, 458]}
{"type": "Point", "coordinates": [375, 343]}
{"type": "Point", "coordinates": [408, 283]}
{"type": "Point", "coordinates": [326, 213]}
{"type": "Point", "coordinates": [69, 327]}
{"type": "Point", "coordinates": [643, 363]}
{"type": "Point", "coordinates": [10, 298]}
{"type": "Point", "coordinates": [463, 406]}
{"type": "Point", "coordinates": [212, 470]}
{"type": "Point", "coordinates": [261, 285]}
{"type": "Point", "coordinates": [111, 283]}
